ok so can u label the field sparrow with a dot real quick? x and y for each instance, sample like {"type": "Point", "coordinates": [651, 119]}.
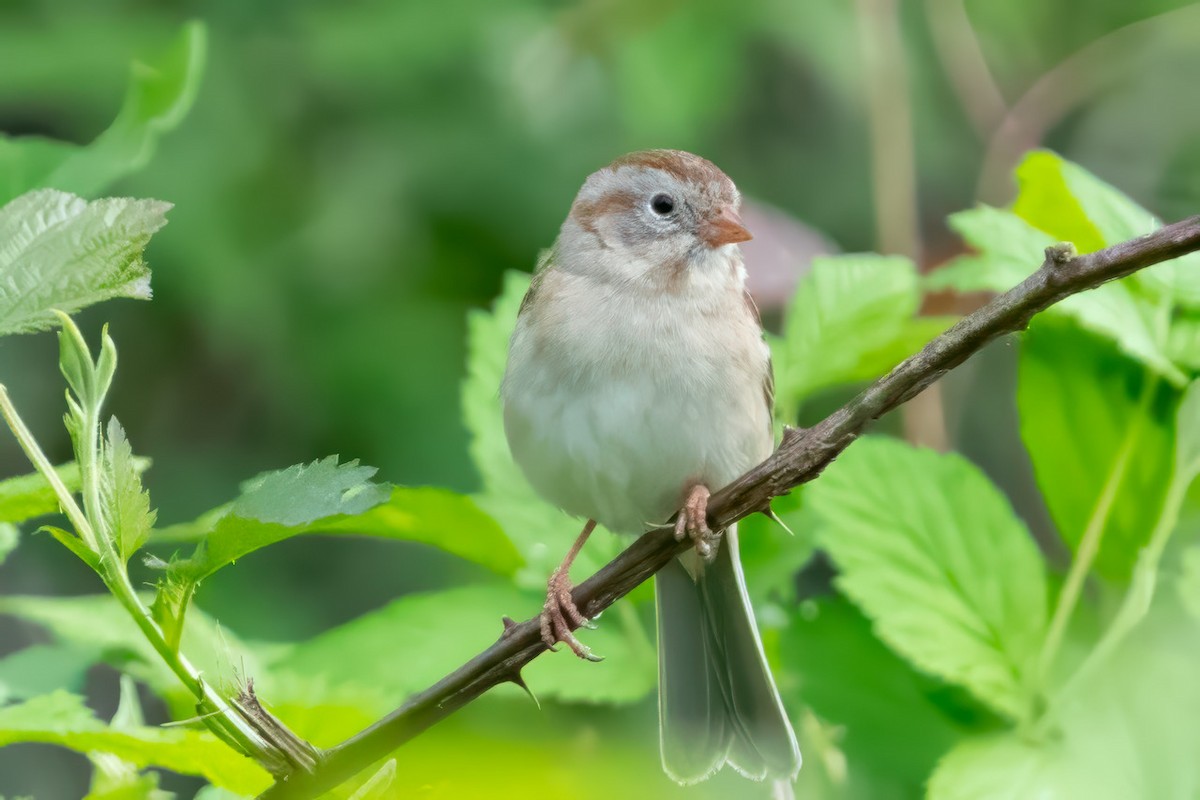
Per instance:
{"type": "Point", "coordinates": [637, 381]}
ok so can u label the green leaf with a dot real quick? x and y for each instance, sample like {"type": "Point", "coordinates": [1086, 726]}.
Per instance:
{"type": "Point", "coordinates": [303, 493]}
{"type": "Point", "coordinates": [58, 251]}
{"type": "Point", "coordinates": [42, 668]}
{"type": "Point", "coordinates": [430, 635]}
{"type": "Point", "coordinates": [278, 505]}
{"type": "Point", "coordinates": [9, 538]}
{"type": "Point", "coordinates": [114, 778]}
{"type": "Point", "coordinates": [159, 96]}
{"type": "Point", "coordinates": [1060, 201]}
{"type": "Point", "coordinates": [74, 544]}
{"type": "Point", "coordinates": [933, 554]}
{"type": "Point", "coordinates": [771, 556]}
{"type": "Point", "coordinates": [1129, 731]}
{"type": "Point", "coordinates": [1187, 434]}
{"type": "Point", "coordinates": [126, 505]}
{"type": "Point", "coordinates": [1008, 249]}
{"type": "Point", "coordinates": [98, 623]}
{"type": "Point", "coordinates": [1090, 420]}
{"type": "Point", "coordinates": [325, 498]}
{"type": "Point", "coordinates": [26, 496]}
{"type": "Point", "coordinates": [62, 718]}
{"type": "Point", "coordinates": [852, 319]}
{"type": "Point", "coordinates": [888, 713]}
{"type": "Point", "coordinates": [540, 532]}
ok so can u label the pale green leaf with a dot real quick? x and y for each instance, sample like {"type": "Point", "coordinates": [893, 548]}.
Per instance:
{"type": "Point", "coordinates": [1060, 201]}
{"type": "Point", "coordinates": [1008, 250]}
{"type": "Point", "coordinates": [1086, 410]}
{"type": "Point", "coordinates": [62, 718]}
{"type": "Point", "coordinates": [27, 496]}
{"type": "Point", "coordinates": [159, 96]}
{"type": "Point", "coordinates": [1187, 583]}
{"type": "Point", "coordinates": [1129, 731]}
{"type": "Point", "coordinates": [125, 504]}
{"type": "Point", "coordinates": [277, 505]}
{"type": "Point", "coordinates": [9, 538]}
{"type": "Point", "coordinates": [58, 251]}
{"type": "Point", "coordinates": [343, 501]}
{"type": "Point", "coordinates": [430, 635]}
{"type": "Point", "coordinates": [98, 623]}
{"type": "Point", "coordinates": [1072, 204]}
{"type": "Point", "coordinates": [540, 532]}
{"type": "Point", "coordinates": [1187, 434]}
{"type": "Point", "coordinates": [42, 668]}
{"type": "Point", "coordinates": [852, 319]}
{"type": "Point", "coordinates": [933, 554]}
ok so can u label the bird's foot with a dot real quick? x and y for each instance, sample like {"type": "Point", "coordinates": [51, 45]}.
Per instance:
{"type": "Point", "coordinates": [560, 617]}
{"type": "Point", "coordinates": [692, 523]}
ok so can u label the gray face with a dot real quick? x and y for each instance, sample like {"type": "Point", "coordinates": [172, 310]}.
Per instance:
{"type": "Point", "coordinates": [660, 199]}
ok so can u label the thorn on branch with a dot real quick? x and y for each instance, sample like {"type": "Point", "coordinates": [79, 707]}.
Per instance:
{"type": "Point", "coordinates": [517, 678]}
{"type": "Point", "coordinates": [791, 434]}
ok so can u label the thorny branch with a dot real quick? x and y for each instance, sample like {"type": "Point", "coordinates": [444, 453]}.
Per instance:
{"type": "Point", "coordinates": [800, 458]}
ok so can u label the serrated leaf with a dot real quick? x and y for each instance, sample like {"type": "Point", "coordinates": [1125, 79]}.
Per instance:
{"type": "Point", "coordinates": [58, 251]}
{"type": "Point", "coordinates": [1072, 204]}
{"type": "Point", "coordinates": [1060, 201]}
{"type": "Point", "coordinates": [432, 634]}
{"type": "Point", "coordinates": [339, 500]}
{"type": "Point", "coordinates": [933, 554]}
{"type": "Point", "coordinates": [62, 718]}
{"type": "Point", "coordinates": [852, 319]}
{"type": "Point", "coordinates": [1008, 250]}
{"type": "Point", "coordinates": [304, 493]}
{"type": "Point", "coordinates": [540, 532]}
{"type": "Point", "coordinates": [888, 713]}
{"type": "Point", "coordinates": [1083, 420]}
{"type": "Point", "coordinates": [125, 504]}
{"type": "Point", "coordinates": [159, 96]}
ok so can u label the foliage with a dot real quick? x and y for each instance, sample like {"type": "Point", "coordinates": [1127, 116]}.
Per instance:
{"type": "Point", "coordinates": [949, 652]}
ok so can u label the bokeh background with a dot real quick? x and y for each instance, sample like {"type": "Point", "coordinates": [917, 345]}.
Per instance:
{"type": "Point", "coordinates": [354, 177]}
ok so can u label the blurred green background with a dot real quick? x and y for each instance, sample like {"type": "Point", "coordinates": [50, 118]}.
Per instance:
{"type": "Point", "coordinates": [354, 177]}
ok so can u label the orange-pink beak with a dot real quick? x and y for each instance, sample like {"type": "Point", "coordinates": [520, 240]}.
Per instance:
{"type": "Point", "coordinates": [724, 228]}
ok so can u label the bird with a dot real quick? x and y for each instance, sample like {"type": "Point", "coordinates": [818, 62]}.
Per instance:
{"type": "Point", "coordinates": [638, 382]}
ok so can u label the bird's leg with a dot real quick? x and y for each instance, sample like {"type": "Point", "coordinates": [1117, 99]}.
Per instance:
{"type": "Point", "coordinates": [560, 616]}
{"type": "Point", "coordinates": [692, 522]}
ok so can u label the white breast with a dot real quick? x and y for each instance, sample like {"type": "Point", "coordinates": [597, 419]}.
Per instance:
{"type": "Point", "coordinates": [617, 402]}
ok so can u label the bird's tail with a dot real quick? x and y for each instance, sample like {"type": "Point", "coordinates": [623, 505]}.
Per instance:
{"type": "Point", "coordinates": [717, 700]}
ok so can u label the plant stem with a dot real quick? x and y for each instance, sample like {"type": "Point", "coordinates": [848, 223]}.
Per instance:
{"type": "Point", "coordinates": [112, 570]}
{"type": "Point", "coordinates": [42, 464]}
{"type": "Point", "coordinates": [1089, 543]}
{"type": "Point", "coordinates": [1136, 603]}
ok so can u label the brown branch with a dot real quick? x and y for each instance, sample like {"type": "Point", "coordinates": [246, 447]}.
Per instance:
{"type": "Point", "coordinates": [800, 458]}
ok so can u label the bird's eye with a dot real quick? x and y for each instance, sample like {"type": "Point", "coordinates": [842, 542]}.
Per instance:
{"type": "Point", "coordinates": [662, 204]}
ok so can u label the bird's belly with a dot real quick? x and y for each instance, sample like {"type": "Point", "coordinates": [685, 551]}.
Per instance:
{"type": "Point", "coordinates": [624, 448]}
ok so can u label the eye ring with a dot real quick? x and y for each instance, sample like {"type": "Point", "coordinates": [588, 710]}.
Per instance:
{"type": "Point", "coordinates": [662, 204]}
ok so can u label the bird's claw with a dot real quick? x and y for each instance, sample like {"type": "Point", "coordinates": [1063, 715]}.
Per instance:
{"type": "Point", "coordinates": [560, 616]}
{"type": "Point", "coordinates": [692, 523]}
